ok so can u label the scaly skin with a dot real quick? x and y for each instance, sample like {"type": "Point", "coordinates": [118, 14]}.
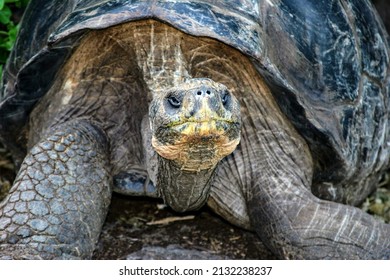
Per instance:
{"type": "Point", "coordinates": [288, 218]}
{"type": "Point", "coordinates": [60, 197]}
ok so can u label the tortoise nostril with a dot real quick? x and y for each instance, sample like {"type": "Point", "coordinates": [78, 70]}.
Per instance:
{"type": "Point", "coordinates": [203, 92]}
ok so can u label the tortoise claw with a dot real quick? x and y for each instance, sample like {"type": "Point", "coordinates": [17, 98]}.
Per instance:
{"type": "Point", "coordinates": [136, 183]}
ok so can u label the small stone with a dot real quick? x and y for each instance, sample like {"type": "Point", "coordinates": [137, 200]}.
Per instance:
{"type": "Point", "coordinates": [32, 244]}
{"type": "Point", "coordinates": [3, 238]}
{"type": "Point", "coordinates": [70, 221]}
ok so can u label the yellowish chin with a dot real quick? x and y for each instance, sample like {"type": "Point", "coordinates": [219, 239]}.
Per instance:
{"type": "Point", "coordinates": [201, 145]}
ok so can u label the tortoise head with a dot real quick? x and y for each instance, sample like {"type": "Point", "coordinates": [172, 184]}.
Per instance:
{"type": "Point", "coordinates": [194, 126]}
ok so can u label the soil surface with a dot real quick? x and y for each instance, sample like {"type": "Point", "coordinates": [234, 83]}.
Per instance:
{"type": "Point", "coordinates": [146, 229]}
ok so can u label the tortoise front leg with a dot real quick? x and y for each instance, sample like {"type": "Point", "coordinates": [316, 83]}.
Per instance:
{"type": "Point", "coordinates": [288, 217]}
{"type": "Point", "coordinates": [297, 225]}
{"type": "Point", "coordinates": [58, 203]}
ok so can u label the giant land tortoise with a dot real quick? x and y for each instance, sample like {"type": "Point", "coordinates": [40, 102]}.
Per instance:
{"type": "Point", "coordinates": [273, 112]}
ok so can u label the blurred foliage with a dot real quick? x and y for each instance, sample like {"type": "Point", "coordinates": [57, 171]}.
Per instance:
{"type": "Point", "coordinates": [378, 204]}
{"type": "Point", "coordinates": [10, 15]}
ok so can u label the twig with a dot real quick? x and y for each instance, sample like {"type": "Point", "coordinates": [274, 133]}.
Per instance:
{"type": "Point", "coordinates": [170, 220]}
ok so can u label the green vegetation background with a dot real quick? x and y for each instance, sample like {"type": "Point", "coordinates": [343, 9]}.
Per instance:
{"type": "Point", "coordinates": [10, 14]}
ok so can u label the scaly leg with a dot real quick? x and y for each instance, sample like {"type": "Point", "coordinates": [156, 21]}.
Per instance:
{"type": "Point", "coordinates": [60, 198]}
{"type": "Point", "coordinates": [282, 209]}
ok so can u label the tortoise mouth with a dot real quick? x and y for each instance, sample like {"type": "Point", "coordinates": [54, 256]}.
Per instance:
{"type": "Point", "coordinates": [203, 129]}
{"type": "Point", "coordinates": [198, 144]}
{"type": "Point", "coordinates": [200, 121]}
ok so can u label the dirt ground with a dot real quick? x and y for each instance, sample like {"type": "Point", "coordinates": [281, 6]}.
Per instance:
{"type": "Point", "coordinates": [145, 229]}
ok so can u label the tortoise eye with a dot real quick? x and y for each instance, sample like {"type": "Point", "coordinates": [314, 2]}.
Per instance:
{"type": "Point", "coordinates": [174, 102]}
{"type": "Point", "coordinates": [225, 97]}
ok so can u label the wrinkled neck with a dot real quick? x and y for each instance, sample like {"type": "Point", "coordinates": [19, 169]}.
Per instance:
{"type": "Point", "coordinates": [183, 190]}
